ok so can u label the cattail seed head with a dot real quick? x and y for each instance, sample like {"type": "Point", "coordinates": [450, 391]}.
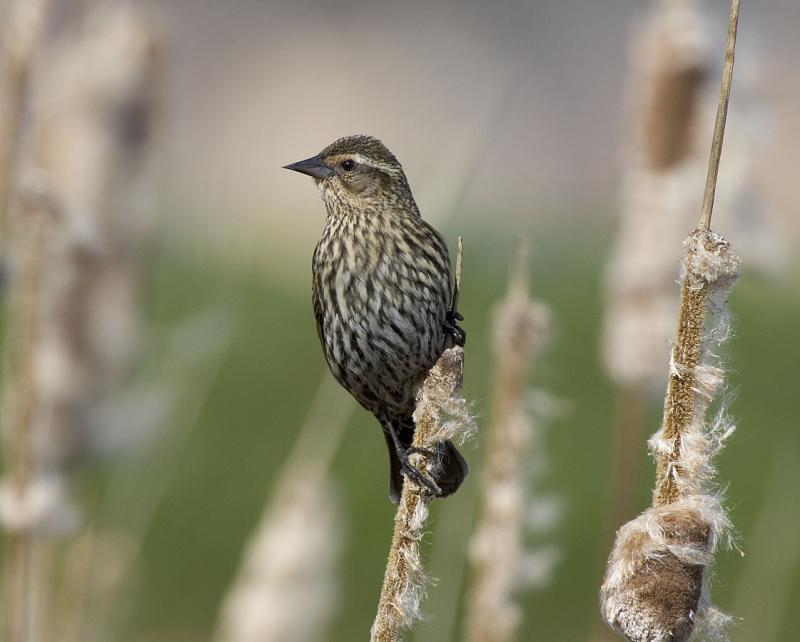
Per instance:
{"type": "Point", "coordinates": [654, 585]}
{"type": "Point", "coordinates": [656, 580]}
{"type": "Point", "coordinates": [441, 414]}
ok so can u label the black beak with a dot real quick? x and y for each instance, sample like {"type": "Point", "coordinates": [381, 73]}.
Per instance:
{"type": "Point", "coordinates": [312, 167]}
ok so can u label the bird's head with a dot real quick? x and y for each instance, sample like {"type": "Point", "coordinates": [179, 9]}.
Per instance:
{"type": "Point", "coordinates": [358, 173]}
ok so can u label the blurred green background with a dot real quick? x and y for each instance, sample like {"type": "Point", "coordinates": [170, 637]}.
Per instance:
{"type": "Point", "coordinates": [219, 477]}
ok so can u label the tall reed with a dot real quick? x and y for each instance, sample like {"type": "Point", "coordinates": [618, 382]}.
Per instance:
{"type": "Point", "coordinates": [441, 414]}
{"type": "Point", "coordinates": [500, 564]}
{"type": "Point", "coordinates": [656, 583]}
{"type": "Point", "coordinates": [24, 506]}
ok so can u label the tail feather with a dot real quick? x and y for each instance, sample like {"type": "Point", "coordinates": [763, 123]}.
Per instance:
{"type": "Point", "coordinates": [395, 471]}
{"type": "Point", "coordinates": [454, 470]}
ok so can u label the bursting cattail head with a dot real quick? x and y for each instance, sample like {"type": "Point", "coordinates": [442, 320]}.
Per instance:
{"type": "Point", "coordinates": [441, 414]}
{"type": "Point", "coordinates": [654, 589]}
{"type": "Point", "coordinates": [655, 586]}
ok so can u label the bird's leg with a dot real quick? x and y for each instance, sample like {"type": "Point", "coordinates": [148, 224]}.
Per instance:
{"type": "Point", "coordinates": [452, 328]}
{"type": "Point", "coordinates": [409, 470]}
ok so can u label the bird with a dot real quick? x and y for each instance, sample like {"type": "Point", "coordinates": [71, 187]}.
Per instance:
{"type": "Point", "coordinates": [381, 292]}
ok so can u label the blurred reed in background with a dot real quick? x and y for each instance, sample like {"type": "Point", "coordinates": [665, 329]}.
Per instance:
{"type": "Point", "coordinates": [80, 221]}
{"type": "Point", "coordinates": [501, 564]}
{"type": "Point", "coordinates": [170, 457]}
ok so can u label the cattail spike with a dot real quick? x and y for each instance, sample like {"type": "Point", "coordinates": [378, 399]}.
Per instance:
{"type": "Point", "coordinates": [656, 582]}
{"type": "Point", "coordinates": [441, 415]}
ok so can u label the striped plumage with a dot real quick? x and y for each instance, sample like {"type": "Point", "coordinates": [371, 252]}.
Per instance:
{"type": "Point", "coordinates": [381, 291]}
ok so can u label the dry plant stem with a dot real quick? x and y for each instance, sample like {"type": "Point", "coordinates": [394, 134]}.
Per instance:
{"type": "Point", "coordinates": [19, 589]}
{"type": "Point", "coordinates": [404, 580]}
{"type": "Point", "coordinates": [22, 34]}
{"type": "Point", "coordinates": [719, 124]}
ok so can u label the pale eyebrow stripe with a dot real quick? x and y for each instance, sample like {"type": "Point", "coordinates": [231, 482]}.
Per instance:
{"type": "Point", "coordinates": [371, 162]}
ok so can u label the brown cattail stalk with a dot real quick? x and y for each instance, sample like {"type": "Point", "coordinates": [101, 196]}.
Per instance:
{"type": "Point", "coordinates": [497, 551]}
{"type": "Point", "coordinates": [655, 586]}
{"type": "Point", "coordinates": [441, 414]}
{"type": "Point", "coordinates": [25, 24]}
{"type": "Point", "coordinates": [669, 65]}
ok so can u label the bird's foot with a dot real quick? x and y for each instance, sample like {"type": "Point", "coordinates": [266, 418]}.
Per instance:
{"type": "Point", "coordinates": [415, 474]}
{"type": "Point", "coordinates": [452, 328]}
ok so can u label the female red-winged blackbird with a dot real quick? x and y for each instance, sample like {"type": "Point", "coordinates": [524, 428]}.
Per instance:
{"type": "Point", "coordinates": [381, 294]}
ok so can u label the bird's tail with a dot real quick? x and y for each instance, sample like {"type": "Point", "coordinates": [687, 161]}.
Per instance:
{"type": "Point", "coordinates": [448, 476]}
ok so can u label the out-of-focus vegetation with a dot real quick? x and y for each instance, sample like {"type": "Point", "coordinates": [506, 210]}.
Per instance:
{"type": "Point", "coordinates": [219, 479]}
{"type": "Point", "coordinates": [508, 123]}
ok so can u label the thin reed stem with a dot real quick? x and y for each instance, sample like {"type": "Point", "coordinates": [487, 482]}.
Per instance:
{"type": "Point", "coordinates": [719, 123]}
{"type": "Point", "coordinates": [18, 568]}
{"type": "Point", "coordinates": [457, 275]}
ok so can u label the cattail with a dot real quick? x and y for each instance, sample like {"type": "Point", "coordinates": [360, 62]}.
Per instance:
{"type": "Point", "coordinates": [501, 566]}
{"type": "Point", "coordinates": [441, 414]}
{"type": "Point", "coordinates": [286, 587]}
{"type": "Point", "coordinates": [656, 582]}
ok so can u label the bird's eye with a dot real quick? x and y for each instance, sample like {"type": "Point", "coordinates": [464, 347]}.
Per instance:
{"type": "Point", "coordinates": [348, 164]}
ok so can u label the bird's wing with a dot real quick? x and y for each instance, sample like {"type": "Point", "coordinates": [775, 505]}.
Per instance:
{"type": "Point", "coordinates": [317, 303]}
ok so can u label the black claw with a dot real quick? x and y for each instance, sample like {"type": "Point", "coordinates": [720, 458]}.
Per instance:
{"type": "Point", "coordinates": [414, 473]}
{"type": "Point", "coordinates": [453, 329]}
